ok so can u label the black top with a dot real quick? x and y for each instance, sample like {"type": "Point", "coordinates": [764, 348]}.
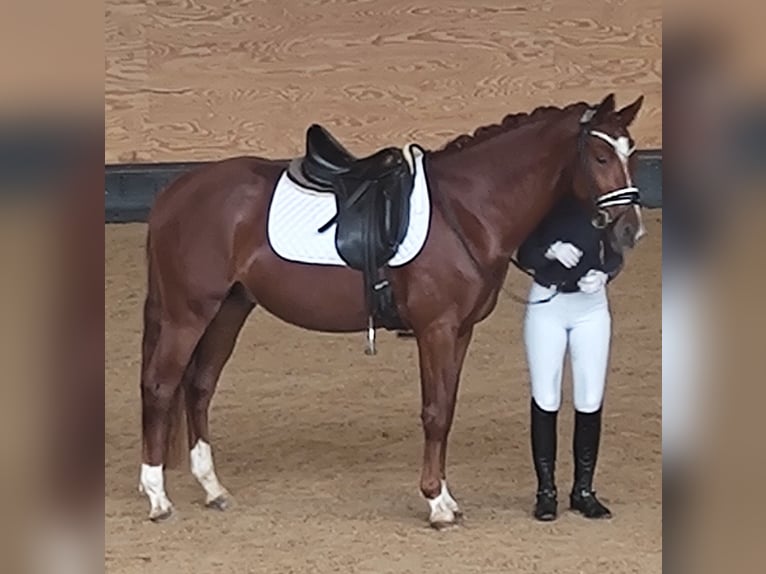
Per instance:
{"type": "Point", "coordinates": [568, 222]}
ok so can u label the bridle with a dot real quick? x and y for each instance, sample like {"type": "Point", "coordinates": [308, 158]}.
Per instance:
{"type": "Point", "coordinates": [628, 195]}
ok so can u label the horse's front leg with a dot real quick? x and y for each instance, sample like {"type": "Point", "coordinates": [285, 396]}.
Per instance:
{"type": "Point", "coordinates": [442, 353]}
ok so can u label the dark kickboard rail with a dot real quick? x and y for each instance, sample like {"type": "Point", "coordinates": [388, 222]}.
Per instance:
{"type": "Point", "coordinates": [130, 188]}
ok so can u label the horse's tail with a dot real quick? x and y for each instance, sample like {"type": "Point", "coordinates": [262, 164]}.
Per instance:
{"type": "Point", "coordinates": [176, 452]}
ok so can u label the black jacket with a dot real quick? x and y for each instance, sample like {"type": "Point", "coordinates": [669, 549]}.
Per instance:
{"type": "Point", "coordinates": [568, 222]}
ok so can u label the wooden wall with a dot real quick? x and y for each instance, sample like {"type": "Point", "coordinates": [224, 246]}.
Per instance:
{"type": "Point", "coordinates": [193, 80]}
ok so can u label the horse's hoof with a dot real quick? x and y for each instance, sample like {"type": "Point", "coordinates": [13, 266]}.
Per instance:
{"type": "Point", "coordinates": [160, 515]}
{"type": "Point", "coordinates": [440, 525]}
{"type": "Point", "coordinates": [219, 503]}
{"type": "Point", "coordinates": [442, 519]}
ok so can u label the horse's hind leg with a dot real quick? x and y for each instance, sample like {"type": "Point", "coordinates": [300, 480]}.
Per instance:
{"type": "Point", "coordinates": [160, 382]}
{"type": "Point", "coordinates": [212, 353]}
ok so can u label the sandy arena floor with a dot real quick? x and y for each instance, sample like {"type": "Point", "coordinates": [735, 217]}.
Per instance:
{"type": "Point", "coordinates": [321, 447]}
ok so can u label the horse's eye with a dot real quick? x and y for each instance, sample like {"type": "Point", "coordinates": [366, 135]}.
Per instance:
{"type": "Point", "coordinates": [601, 159]}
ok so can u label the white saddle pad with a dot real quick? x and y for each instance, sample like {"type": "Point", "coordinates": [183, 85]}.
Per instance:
{"type": "Point", "coordinates": [296, 213]}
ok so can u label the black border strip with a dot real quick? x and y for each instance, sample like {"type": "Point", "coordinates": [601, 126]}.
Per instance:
{"type": "Point", "coordinates": [130, 189]}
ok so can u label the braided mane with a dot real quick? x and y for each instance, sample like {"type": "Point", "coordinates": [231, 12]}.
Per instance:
{"type": "Point", "coordinates": [508, 123]}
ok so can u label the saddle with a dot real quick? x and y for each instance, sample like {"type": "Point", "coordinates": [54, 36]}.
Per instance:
{"type": "Point", "coordinates": [372, 195]}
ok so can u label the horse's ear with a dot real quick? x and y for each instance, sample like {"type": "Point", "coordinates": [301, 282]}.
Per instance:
{"type": "Point", "coordinates": [605, 108]}
{"type": "Point", "coordinates": [607, 104]}
{"type": "Point", "coordinates": [627, 114]}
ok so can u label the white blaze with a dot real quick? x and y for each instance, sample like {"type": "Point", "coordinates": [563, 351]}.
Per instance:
{"type": "Point", "coordinates": [622, 148]}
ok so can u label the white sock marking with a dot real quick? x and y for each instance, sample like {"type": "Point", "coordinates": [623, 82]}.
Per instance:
{"type": "Point", "coordinates": [204, 471]}
{"type": "Point", "coordinates": [152, 483]}
{"type": "Point", "coordinates": [443, 507]}
{"type": "Point", "coordinates": [448, 500]}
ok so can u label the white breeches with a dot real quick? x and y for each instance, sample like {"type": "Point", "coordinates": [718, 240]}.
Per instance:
{"type": "Point", "coordinates": [582, 322]}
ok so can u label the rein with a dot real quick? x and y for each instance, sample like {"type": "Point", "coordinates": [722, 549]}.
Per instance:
{"type": "Point", "coordinates": [532, 275]}
{"type": "Point", "coordinates": [624, 196]}
{"type": "Point", "coordinates": [449, 216]}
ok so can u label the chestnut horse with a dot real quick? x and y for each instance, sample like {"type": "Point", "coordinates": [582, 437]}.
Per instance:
{"type": "Point", "coordinates": [210, 263]}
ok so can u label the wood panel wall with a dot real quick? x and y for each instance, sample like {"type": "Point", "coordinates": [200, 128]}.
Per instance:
{"type": "Point", "coordinates": [194, 80]}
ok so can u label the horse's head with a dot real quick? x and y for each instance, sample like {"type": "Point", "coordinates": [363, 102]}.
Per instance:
{"type": "Point", "coordinates": [604, 173]}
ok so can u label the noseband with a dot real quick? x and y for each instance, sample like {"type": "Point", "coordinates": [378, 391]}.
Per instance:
{"type": "Point", "coordinates": [628, 195]}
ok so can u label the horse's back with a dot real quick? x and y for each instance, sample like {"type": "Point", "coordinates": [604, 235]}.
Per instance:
{"type": "Point", "coordinates": [214, 188]}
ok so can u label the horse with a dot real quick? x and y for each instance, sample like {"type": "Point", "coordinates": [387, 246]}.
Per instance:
{"type": "Point", "coordinates": [210, 263]}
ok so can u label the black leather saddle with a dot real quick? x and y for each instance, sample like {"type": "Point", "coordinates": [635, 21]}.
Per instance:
{"type": "Point", "coordinates": [372, 195]}
{"type": "Point", "coordinates": [327, 161]}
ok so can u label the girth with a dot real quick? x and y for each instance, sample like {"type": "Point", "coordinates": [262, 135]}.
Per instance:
{"type": "Point", "coordinates": [372, 196]}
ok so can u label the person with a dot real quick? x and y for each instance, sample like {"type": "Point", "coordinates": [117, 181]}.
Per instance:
{"type": "Point", "coordinates": [571, 261]}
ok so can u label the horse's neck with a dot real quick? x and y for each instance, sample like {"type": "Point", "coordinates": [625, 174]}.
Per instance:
{"type": "Point", "coordinates": [508, 198]}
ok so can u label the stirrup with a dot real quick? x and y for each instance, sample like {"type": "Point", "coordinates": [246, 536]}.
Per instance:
{"type": "Point", "coordinates": [370, 350]}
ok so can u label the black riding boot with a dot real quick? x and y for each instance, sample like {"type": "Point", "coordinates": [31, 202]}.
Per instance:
{"type": "Point", "coordinates": [587, 435]}
{"type": "Point", "coordinates": [544, 455]}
